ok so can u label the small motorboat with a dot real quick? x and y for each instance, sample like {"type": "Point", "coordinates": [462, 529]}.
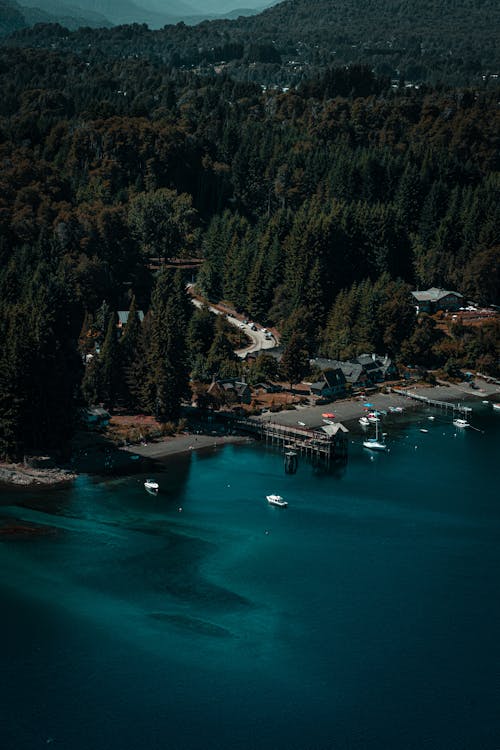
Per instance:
{"type": "Point", "coordinates": [431, 419]}
{"type": "Point", "coordinates": [364, 421]}
{"type": "Point", "coordinates": [373, 417]}
{"type": "Point", "coordinates": [461, 423]}
{"type": "Point", "coordinates": [395, 409]}
{"type": "Point", "coordinates": [276, 500]}
{"type": "Point", "coordinates": [151, 486]}
{"type": "Point", "coordinates": [422, 429]}
{"type": "Point", "coordinates": [496, 407]}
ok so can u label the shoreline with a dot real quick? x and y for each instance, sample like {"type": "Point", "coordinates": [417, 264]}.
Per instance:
{"type": "Point", "coordinates": [18, 475]}
{"type": "Point", "coordinates": [347, 411]}
{"type": "Point", "coordinates": [183, 444]}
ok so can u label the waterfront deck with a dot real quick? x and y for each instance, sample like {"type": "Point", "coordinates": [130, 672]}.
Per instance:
{"type": "Point", "coordinates": [445, 405]}
{"type": "Point", "coordinates": [314, 444]}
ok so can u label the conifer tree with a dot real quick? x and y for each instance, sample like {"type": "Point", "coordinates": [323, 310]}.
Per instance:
{"type": "Point", "coordinates": [109, 365]}
{"type": "Point", "coordinates": [295, 360]}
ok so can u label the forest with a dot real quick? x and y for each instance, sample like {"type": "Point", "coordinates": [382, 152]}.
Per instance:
{"type": "Point", "coordinates": [315, 210]}
{"type": "Point", "coordinates": [425, 41]}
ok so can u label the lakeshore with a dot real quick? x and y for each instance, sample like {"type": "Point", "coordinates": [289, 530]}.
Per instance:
{"type": "Point", "coordinates": [347, 411]}
{"type": "Point", "coordinates": [92, 457]}
{"type": "Point", "coordinates": [372, 595]}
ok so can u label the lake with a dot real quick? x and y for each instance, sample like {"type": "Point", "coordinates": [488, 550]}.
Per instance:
{"type": "Point", "coordinates": [365, 615]}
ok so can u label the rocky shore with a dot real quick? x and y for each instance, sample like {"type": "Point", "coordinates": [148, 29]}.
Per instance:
{"type": "Point", "coordinates": [26, 476]}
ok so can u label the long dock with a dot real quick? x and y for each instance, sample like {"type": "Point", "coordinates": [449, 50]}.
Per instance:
{"type": "Point", "coordinates": [315, 444]}
{"type": "Point", "coordinates": [445, 405]}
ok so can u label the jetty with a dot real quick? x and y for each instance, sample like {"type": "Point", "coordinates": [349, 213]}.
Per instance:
{"type": "Point", "coordinates": [444, 405]}
{"type": "Point", "coordinates": [324, 445]}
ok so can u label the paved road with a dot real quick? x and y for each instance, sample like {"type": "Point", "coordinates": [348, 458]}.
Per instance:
{"type": "Point", "coordinates": [258, 337]}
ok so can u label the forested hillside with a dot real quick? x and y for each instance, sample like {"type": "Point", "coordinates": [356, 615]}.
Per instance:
{"type": "Point", "coordinates": [315, 210]}
{"type": "Point", "coordinates": [454, 41]}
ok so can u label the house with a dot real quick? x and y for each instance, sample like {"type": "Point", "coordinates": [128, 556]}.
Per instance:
{"type": "Point", "coordinates": [268, 387]}
{"type": "Point", "coordinates": [376, 369]}
{"type": "Point", "coordinates": [361, 371]}
{"type": "Point", "coordinates": [123, 317]}
{"type": "Point", "coordinates": [231, 390]}
{"type": "Point", "coordinates": [95, 417]}
{"type": "Point", "coordinates": [435, 299]}
{"type": "Point", "coordinates": [331, 384]}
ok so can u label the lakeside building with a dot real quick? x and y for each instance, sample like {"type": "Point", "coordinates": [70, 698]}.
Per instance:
{"type": "Point", "coordinates": [331, 384]}
{"type": "Point", "coordinates": [123, 317]}
{"type": "Point", "coordinates": [231, 389]}
{"type": "Point", "coordinates": [434, 299]}
{"type": "Point", "coordinates": [361, 371]}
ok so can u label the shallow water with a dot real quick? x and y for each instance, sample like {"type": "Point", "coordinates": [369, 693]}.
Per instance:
{"type": "Point", "coordinates": [365, 615]}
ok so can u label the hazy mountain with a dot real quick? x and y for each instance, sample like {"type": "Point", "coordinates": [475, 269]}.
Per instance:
{"type": "Point", "coordinates": [11, 18]}
{"type": "Point", "coordinates": [14, 16]}
{"type": "Point", "coordinates": [36, 11]}
{"type": "Point", "coordinates": [152, 12]}
{"type": "Point", "coordinates": [102, 13]}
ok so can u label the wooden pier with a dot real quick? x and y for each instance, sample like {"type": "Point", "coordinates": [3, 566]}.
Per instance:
{"type": "Point", "coordinates": [321, 447]}
{"type": "Point", "coordinates": [445, 405]}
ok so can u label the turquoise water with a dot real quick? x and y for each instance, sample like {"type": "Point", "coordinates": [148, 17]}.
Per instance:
{"type": "Point", "coordinates": [365, 615]}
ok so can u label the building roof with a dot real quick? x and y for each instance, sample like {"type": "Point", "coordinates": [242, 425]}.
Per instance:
{"type": "Point", "coordinates": [334, 376]}
{"type": "Point", "coordinates": [230, 384]}
{"type": "Point", "coordinates": [332, 429]}
{"type": "Point", "coordinates": [123, 316]}
{"type": "Point", "coordinates": [434, 294]}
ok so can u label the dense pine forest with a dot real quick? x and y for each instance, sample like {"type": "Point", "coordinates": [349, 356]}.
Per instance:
{"type": "Point", "coordinates": [315, 210]}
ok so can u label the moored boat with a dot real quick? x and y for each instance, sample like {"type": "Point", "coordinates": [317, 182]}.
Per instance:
{"type": "Point", "coordinates": [364, 421]}
{"type": "Point", "coordinates": [151, 486]}
{"type": "Point", "coordinates": [276, 500]}
{"type": "Point", "coordinates": [374, 444]}
{"type": "Point", "coordinates": [496, 407]}
{"type": "Point", "coordinates": [461, 423]}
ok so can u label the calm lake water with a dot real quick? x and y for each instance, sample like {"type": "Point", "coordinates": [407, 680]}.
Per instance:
{"type": "Point", "coordinates": [366, 615]}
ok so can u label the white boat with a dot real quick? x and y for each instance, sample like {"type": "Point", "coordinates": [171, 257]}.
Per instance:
{"type": "Point", "coordinates": [373, 417]}
{"type": "Point", "coordinates": [395, 409]}
{"type": "Point", "coordinates": [462, 423]}
{"type": "Point", "coordinates": [374, 444]}
{"type": "Point", "coordinates": [151, 486]}
{"type": "Point", "coordinates": [364, 421]}
{"type": "Point", "coordinates": [422, 429]}
{"type": "Point", "coordinates": [496, 407]}
{"type": "Point", "coordinates": [431, 419]}
{"type": "Point", "coordinates": [276, 500]}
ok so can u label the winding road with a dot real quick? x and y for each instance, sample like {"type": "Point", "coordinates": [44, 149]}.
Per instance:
{"type": "Point", "coordinates": [260, 337]}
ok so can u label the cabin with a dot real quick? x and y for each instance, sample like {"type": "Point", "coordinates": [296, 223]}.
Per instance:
{"type": "Point", "coordinates": [362, 371]}
{"type": "Point", "coordinates": [376, 368]}
{"type": "Point", "coordinates": [331, 384]}
{"type": "Point", "coordinates": [231, 390]}
{"type": "Point", "coordinates": [95, 417]}
{"type": "Point", "coordinates": [123, 317]}
{"type": "Point", "coordinates": [434, 299]}
{"type": "Point", "coordinates": [268, 387]}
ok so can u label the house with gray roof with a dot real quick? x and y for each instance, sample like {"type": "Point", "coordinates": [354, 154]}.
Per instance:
{"type": "Point", "coordinates": [123, 317]}
{"type": "Point", "coordinates": [331, 384]}
{"type": "Point", "coordinates": [231, 390]}
{"type": "Point", "coordinates": [361, 371]}
{"type": "Point", "coordinates": [434, 299]}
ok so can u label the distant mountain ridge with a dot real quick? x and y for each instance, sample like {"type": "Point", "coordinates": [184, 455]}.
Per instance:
{"type": "Point", "coordinates": [14, 16]}
{"type": "Point", "coordinates": [74, 14]}
{"type": "Point", "coordinates": [431, 41]}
